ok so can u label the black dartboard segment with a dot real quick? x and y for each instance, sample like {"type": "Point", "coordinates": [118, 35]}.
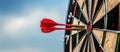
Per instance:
{"type": "Point", "coordinates": [99, 24]}
{"type": "Point", "coordinates": [113, 19]}
{"type": "Point", "coordinates": [73, 41]}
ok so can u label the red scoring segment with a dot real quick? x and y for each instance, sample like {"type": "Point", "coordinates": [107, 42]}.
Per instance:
{"type": "Point", "coordinates": [74, 13]}
{"type": "Point", "coordinates": [100, 50]}
{"type": "Point", "coordinates": [119, 27]}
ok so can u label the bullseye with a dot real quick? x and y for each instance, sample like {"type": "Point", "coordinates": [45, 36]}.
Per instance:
{"type": "Point", "coordinates": [89, 28]}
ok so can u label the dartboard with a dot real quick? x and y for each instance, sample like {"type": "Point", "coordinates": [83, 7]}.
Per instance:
{"type": "Point", "coordinates": [101, 19]}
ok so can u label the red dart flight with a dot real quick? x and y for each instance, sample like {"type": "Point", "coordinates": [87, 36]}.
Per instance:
{"type": "Point", "coordinates": [48, 22]}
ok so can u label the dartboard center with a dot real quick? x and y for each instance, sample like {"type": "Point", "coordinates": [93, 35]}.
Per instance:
{"type": "Point", "coordinates": [89, 27]}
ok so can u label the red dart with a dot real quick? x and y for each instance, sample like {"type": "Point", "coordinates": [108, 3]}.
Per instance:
{"type": "Point", "coordinates": [48, 23]}
{"type": "Point", "coordinates": [50, 29]}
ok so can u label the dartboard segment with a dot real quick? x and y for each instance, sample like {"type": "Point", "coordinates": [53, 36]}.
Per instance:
{"type": "Point", "coordinates": [113, 18]}
{"type": "Point", "coordinates": [99, 24]}
{"type": "Point", "coordinates": [110, 42]}
{"type": "Point", "coordinates": [83, 9]}
{"type": "Point", "coordinates": [111, 4]}
{"type": "Point", "coordinates": [98, 34]}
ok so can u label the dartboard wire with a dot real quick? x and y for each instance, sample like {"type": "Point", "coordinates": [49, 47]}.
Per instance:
{"type": "Point", "coordinates": [98, 41]}
{"type": "Point", "coordinates": [106, 16]}
{"type": "Point", "coordinates": [105, 21]}
{"type": "Point", "coordinates": [97, 9]}
{"type": "Point", "coordinates": [107, 30]}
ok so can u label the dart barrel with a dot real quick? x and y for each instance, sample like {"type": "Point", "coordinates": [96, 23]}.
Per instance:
{"type": "Point", "coordinates": [103, 17]}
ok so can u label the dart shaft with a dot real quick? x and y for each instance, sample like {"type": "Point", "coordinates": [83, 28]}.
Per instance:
{"type": "Point", "coordinates": [70, 25]}
{"type": "Point", "coordinates": [79, 26]}
{"type": "Point", "coordinates": [70, 29]}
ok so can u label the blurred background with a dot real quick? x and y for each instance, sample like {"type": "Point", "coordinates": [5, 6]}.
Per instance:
{"type": "Point", "coordinates": [19, 25]}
